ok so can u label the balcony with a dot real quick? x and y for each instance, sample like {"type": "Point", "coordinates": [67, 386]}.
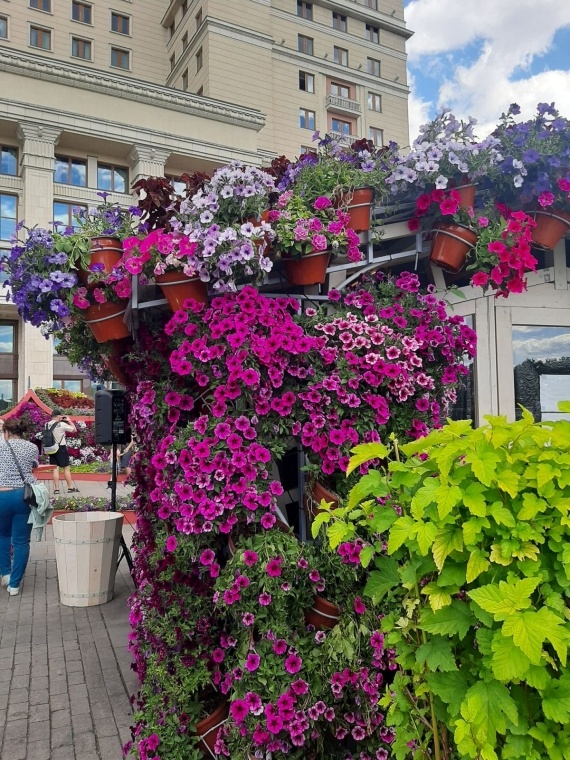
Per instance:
{"type": "Point", "coordinates": [344, 139]}
{"type": "Point", "coordinates": [344, 105]}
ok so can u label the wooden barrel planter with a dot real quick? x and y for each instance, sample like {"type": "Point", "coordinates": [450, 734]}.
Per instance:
{"type": "Point", "coordinates": [86, 552]}
{"type": "Point", "coordinates": [106, 251]}
{"type": "Point", "coordinates": [551, 226]}
{"type": "Point", "coordinates": [358, 205]}
{"type": "Point", "coordinates": [177, 287]}
{"type": "Point", "coordinates": [106, 321]}
{"type": "Point", "coordinates": [450, 245]}
{"type": "Point", "coordinates": [310, 269]}
{"type": "Point", "coordinates": [323, 615]}
{"type": "Point", "coordinates": [207, 729]}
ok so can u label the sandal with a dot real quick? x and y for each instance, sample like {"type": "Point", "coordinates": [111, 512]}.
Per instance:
{"type": "Point", "coordinates": [56, 491]}
{"type": "Point", "coordinates": [73, 490]}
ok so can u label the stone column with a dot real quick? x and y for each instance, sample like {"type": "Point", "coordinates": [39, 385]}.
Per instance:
{"type": "Point", "coordinates": [147, 162]}
{"type": "Point", "coordinates": [37, 151]}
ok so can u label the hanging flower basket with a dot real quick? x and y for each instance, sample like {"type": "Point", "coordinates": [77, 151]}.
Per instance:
{"type": "Point", "coordinates": [106, 321]}
{"type": "Point", "coordinates": [307, 270]}
{"type": "Point", "coordinates": [551, 225]}
{"type": "Point", "coordinates": [106, 251]}
{"type": "Point", "coordinates": [466, 190]}
{"type": "Point", "coordinates": [450, 245]}
{"type": "Point", "coordinates": [314, 496]}
{"type": "Point", "coordinates": [208, 728]}
{"type": "Point", "coordinates": [323, 615]}
{"type": "Point", "coordinates": [358, 204]}
{"type": "Point", "coordinates": [177, 287]}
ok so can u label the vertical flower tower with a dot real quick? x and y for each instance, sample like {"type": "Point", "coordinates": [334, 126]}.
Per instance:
{"type": "Point", "coordinates": [248, 642]}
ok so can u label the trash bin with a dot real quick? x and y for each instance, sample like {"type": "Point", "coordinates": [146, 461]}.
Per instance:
{"type": "Point", "coordinates": [86, 553]}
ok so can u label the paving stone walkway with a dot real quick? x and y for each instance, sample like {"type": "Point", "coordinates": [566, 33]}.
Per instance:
{"type": "Point", "coordinates": [65, 676]}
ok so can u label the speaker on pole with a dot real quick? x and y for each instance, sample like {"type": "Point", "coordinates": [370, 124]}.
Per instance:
{"type": "Point", "coordinates": [111, 417]}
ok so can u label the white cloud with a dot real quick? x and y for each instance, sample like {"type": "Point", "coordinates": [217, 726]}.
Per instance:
{"type": "Point", "coordinates": [507, 37]}
{"type": "Point", "coordinates": [418, 110]}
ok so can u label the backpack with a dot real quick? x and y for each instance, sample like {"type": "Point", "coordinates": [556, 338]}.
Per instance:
{"type": "Point", "coordinates": [49, 444]}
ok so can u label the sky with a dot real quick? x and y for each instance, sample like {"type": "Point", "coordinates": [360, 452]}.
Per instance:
{"type": "Point", "coordinates": [479, 56]}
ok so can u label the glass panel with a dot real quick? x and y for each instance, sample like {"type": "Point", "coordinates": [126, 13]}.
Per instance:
{"type": "Point", "coordinates": [9, 161]}
{"type": "Point", "coordinates": [8, 205]}
{"type": "Point", "coordinates": [104, 178]}
{"type": "Point", "coordinates": [3, 27]}
{"type": "Point", "coordinates": [61, 170]}
{"type": "Point", "coordinates": [120, 179]}
{"type": "Point", "coordinates": [79, 173]}
{"type": "Point", "coordinates": [72, 385]}
{"type": "Point", "coordinates": [6, 394]}
{"type": "Point", "coordinates": [7, 333]}
{"type": "Point", "coordinates": [541, 358]}
{"type": "Point", "coordinates": [464, 406]}
{"type": "Point", "coordinates": [61, 213]}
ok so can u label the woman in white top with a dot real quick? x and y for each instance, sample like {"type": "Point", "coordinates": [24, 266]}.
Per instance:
{"type": "Point", "coordinates": [61, 425]}
{"type": "Point", "coordinates": [15, 530]}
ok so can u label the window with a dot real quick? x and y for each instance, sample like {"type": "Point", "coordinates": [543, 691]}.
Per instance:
{"type": "Point", "coordinates": [81, 48]}
{"type": "Point", "coordinates": [9, 163]}
{"type": "Point", "coordinates": [373, 67]}
{"type": "Point", "coordinates": [40, 38]}
{"type": "Point", "coordinates": [114, 179]}
{"type": "Point", "coordinates": [199, 19]}
{"type": "Point", "coordinates": [8, 215]}
{"type": "Point", "coordinates": [340, 56]}
{"type": "Point", "coordinates": [3, 27]}
{"type": "Point", "coordinates": [120, 59]}
{"type": "Point", "coordinates": [81, 12]}
{"type": "Point", "coordinates": [307, 149]}
{"type": "Point", "coordinates": [185, 80]}
{"type": "Point", "coordinates": [372, 4]}
{"type": "Point", "coordinates": [305, 10]}
{"type": "Point", "coordinates": [172, 62]}
{"type": "Point", "coordinates": [341, 127]}
{"type": "Point", "coordinates": [70, 171]}
{"type": "Point", "coordinates": [41, 5]}
{"type": "Point", "coordinates": [184, 7]}
{"type": "Point", "coordinates": [172, 29]}
{"type": "Point", "coordinates": [200, 91]}
{"type": "Point", "coordinates": [376, 135]}
{"type": "Point", "coordinates": [374, 102]}
{"type": "Point", "coordinates": [306, 82]}
{"type": "Point", "coordinates": [185, 41]}
{"type": "Point", "coordinates": [178, 185]}
{"type": "Point", "coordinates": [120, 23]}
{"type": "Point", "coordinates": [340, 90]}
{"type": "Point", "coordinates": [372, 33]}
{"type": "Point", "coordinates": [306, 119]}
{"type": "Point", "coordinates": [8, 363]}
{"type": "Point", "coordinates": [305, 44]}
{"type": "Point", "coordinates": [199, 60]}
{"type": "Point", "coordinates": [339, 22]}
{"type": "Point", "coordinates": [64, 213]}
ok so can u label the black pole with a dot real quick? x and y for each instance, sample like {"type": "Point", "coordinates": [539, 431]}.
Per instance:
{"type": "Point", "coordinates": [114, 478]}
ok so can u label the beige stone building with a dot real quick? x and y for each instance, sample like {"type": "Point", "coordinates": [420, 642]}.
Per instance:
{"type": "Point", "coordinates": [97, 93]}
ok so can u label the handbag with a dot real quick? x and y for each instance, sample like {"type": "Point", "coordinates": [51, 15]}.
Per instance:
{"type": "Point", "coordinates": [29, 495]}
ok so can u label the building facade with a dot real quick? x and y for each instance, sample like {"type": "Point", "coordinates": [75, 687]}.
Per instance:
{"type": "Point", "coordinates": [98, 93]}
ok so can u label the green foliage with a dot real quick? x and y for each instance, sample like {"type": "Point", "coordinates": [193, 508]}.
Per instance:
{"type": "Point", "coordinates": [468, 540]}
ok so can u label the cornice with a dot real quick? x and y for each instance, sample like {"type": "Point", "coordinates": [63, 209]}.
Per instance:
{"type": "Point", "coordinates": [149, 153]}
{"type": "Point", "coordinates": [251, 37]}
{"type": "Point", "coordinates": [369, 15]}
{"type": "Point", "coordinates": [25, 64]}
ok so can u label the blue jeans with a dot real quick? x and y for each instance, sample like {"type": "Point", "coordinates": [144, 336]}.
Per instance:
{"type": "Point", "coordinates": [15, 532]}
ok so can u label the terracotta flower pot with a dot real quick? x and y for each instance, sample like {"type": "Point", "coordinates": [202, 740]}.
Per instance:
{"type": "Point", "coordinates": [105, 320]}
{"type": "Point", "coordinates": [466, 190]}
{"type": "Point", "coordinates": [177, 287]}
{"type": "Point", "coordinates": [207, 729]}
{"type": "Point", "coordinates": [450, 245]}
{"type": "Point", "coordinates": [323, 615]}
{"type": "Point", "coordinates": [358, 204]}
{"type": "Point", "coordinates": [113, 361]}
{"type": "Point", "coordinates": [314, 496]}
{"type": "Point", "coordinates": [307, 270]}
{"type": "Point", "coordinates": [551, 225]}
{"type": "Point", "coordinates": [106, 251]}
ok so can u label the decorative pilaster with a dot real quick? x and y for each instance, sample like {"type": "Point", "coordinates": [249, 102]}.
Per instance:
{"type": "Point", "coordinates": [147, 161]}
{"type": "Point", "coordinates": [37, 151]}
